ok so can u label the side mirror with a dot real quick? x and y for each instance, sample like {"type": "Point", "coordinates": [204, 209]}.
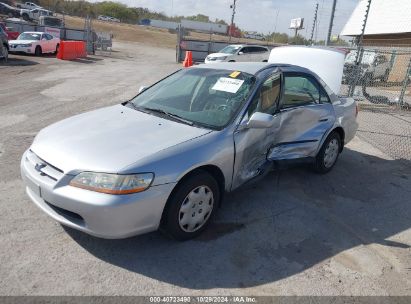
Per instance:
{"type": "Point", "coordinates": [240, 53]}
{"type": "Point", "coordinates": [260, 121]}
{"type": "Point", "coordinates": [142, 89]}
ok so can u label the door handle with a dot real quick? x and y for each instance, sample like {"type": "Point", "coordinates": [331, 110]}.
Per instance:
{"type": "Point", "coordinates": [323, 120]}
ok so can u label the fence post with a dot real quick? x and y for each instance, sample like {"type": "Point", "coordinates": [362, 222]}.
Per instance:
{"type": "Point", "coordinates": [358, 58]}
{"type": "Point", "coordinates": [405, 84]}
{"type": "Point", "coordinates": [178, 46]}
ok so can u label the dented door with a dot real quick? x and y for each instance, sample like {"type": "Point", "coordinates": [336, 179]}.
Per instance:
{"type": "Point", "coordinates": [306, 116]}
{"type": "Point", "coordinates": [252, 145]}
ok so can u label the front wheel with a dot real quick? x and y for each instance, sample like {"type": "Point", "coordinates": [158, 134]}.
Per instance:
{"type": "Point", "coordinates": [191, 207]}
{"type": "Point", "coordinates": [328, 155]}
{"type": "Point", "coordinates": [38, 51]}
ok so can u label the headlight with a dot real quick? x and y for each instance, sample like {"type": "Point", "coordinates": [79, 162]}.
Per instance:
{"type": "Point", "coordinates": [222, 58]}
{"type": "Point", "coordinates": [112, 183]}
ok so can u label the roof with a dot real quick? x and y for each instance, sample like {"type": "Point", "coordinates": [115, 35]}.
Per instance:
{"type": "Point", "coordinates": [245, 67]}
{"type": "Point", "coordinates": [385, 17]}
{"type": "Point", "coordinates": [252, 68]}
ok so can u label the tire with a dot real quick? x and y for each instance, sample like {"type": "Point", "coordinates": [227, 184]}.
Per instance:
{"type": "Point", "coordinates": [185, 218]}
{"type": "Point", "coordinates": [57, 48]}
{"type": "Point", "coordinates": [265, 60]}
{"type": "Point", "coordinates": [231, 61]}
{"type": "Point", "coordinates": [38, 51]}
{"type": "Point", "coordinates": [328, 155]}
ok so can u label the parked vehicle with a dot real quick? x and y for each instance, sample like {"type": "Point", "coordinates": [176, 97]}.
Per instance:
{"type": "Point", "coordinates": [10, 34]}
{"type": "Point", "coordinates": [8, 10]}
{"type": "Point", "coordinates": [102, 18]}
{"type": "Point", "coordinates": [4, 45]}
{"type": "Point", "coordinates": [373, 67]}
{"type": "Point", "coordinates": [202, 131]}
{"type": "Point", "coordinates": [51, 21]}
{"type": "Point", "coordinates": [239, 52]}
{"type": "Point", "coordinates": [112, 19]}
{"type": "Point", "coordinates": [107, 18]}
{"type": "Point", "coordinates": [28, 5]}
{"type": "Point", "coordinates": [254, 35]}
{"type": "Point", "coordinates": [35, 14]}
{"type": "Point", "coordinates": [36, 43]}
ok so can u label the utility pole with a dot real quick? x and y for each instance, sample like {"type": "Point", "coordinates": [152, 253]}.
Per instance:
{"type": "Point", "coordinates": [314, 24]}
{"type": "Point", "coordinates": [330, 27]}
{"type": "Point", "coordinates": [232, 19]}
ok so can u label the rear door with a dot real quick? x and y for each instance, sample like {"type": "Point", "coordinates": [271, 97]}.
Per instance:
{"type": "Point", "coordinates": [306, 116]}
{"type": "Point", "coordinates": [258, 53]}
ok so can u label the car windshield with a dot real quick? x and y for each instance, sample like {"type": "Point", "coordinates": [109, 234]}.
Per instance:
{"type": "Point", "coordinates": [230, 49]}
{"type": "Point", "coordinates": [207, 97]}
{"type": "Point", "coordinates": [29, 36]}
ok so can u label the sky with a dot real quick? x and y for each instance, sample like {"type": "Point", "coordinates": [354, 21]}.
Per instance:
{"type": "Point", "coordinates": [259, 15]}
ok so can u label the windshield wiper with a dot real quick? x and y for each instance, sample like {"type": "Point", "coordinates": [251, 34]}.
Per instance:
{"type": "Point", "coordinates": [174, 116]}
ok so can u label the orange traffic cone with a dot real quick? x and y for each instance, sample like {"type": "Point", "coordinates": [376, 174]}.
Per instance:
{"type": "Point", "coordinates": [188, 61]}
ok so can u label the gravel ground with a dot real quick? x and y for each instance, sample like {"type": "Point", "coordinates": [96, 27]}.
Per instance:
{"type": "Point", "coordinates": [293, 233]}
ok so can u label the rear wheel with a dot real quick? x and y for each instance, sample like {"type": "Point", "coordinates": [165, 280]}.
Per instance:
{"type": "Point", "coordinates": [328, 154]}
{"type": "Point", "coordinates": [57, 48]}
{"type": "Point", "coordinates": [38, 51]}
{"type": "Point", "coordinates": [191, 207]}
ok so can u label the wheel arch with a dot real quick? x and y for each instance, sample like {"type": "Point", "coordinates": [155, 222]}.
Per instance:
{"type": "Point", "coordinates": [213, 170]}
{"type": "Point", "coordinates": [340, 131]}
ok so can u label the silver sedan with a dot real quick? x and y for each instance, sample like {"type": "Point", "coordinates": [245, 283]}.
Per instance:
{"type": "Point", "coordinates": [165, 158]}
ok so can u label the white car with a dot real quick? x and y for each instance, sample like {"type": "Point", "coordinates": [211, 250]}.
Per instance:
{"type": "Point", "coordinates": [240, 53]}
{"type": "Point", "coordinates": [34, 14]}
{"type": "Point", "coordinates": [28, 5]}
{"type": "Point", "coordinates": [35, 43]}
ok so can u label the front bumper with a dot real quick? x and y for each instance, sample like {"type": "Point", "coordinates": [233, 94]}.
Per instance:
{"type": "Point", "coordinates": [98, 214]}
{"type": "Point", "coordinates": [15, 48]}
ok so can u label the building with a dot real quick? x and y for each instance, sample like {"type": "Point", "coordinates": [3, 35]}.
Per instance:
{"type": "Point", "coordinates": [388, 24]}
{"type": "Point", "coordinates": [388, 29]}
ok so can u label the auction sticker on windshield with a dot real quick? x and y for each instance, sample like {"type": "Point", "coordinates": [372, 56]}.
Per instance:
{"type": "Point", "coordinates": [228, 85]}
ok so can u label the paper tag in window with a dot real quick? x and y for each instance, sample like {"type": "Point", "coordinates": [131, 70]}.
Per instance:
{"type": "Point", "coordinates": [228, 85]}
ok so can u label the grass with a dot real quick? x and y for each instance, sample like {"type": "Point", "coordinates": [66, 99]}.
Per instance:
{"type": "Point", "coordinates": [148, 35]}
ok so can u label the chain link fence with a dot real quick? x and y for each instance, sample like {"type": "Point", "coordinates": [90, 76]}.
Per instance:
{"type": "Point", "coordinates": [380, 83]}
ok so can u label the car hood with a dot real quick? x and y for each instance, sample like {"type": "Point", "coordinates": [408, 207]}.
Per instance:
{"type": "Point", "coordinates": [22, 41]}
{"type": "Point", "coordinates": [213, 55]}
{"type": "Point", "coordinates": [108, 139]}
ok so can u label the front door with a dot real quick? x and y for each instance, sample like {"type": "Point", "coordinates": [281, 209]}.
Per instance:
{"type": "Point", "coordinates": [243, 54]}
{"type": "Point", "coordinates": [252, 145]}
{"type": "Point", "coordinates": [306, 117]}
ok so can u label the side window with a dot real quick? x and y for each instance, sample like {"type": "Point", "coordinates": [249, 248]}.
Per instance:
{"type": "Point", "coordinates": [49, 37]}
{"type": "Point", "coordinates": [265, 100]}
{"type": "Point", "coordinates": [257, 49]}
{"type": "Point", "coordinates": [302, 90]}
{"type": "Point", "coordinates": [245, 50]}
